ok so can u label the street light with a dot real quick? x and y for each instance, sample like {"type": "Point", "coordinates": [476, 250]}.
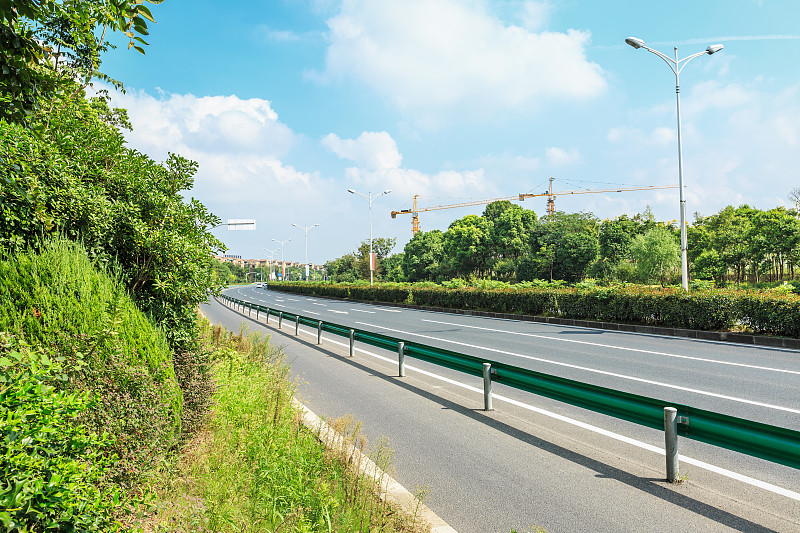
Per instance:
{"type": "Point", "coordinates": [283, 262]}
{"type": "Point", "coordinates": [677, 66]}
{"type": "Point", "coordinates": [271, 254]}
{"type": "Point", "coordinates": [369, 199]}
{"type": "Point", "coordinates": [306, 228]}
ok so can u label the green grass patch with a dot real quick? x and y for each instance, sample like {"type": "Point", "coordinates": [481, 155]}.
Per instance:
{"type": "Point", "coordinates": [257, 468]}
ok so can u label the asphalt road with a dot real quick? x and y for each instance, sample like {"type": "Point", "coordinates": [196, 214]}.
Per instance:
{"type": "Point", "coordinates": [533, 460]}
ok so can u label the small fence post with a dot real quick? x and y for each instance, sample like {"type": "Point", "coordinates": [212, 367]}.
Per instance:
{"type": "Point", "coordinates": [256, 314]}
{"type": "Point", "coordinates": [401, 359]}
{"type": "Point", "coordinates": [487, 387]}
{"type": "Point", "coordinates": [280, 319]}
{"type": "Point", "coordinates": [319, 332]}
{"type": "Point", "coordinates": [352, 342]}
{"type": "Point", "coordinates": [671, 441]}
{"type": "Point", "coordinates": [296, 325]}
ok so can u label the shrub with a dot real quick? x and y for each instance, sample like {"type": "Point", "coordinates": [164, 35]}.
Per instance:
{"type": "Point", "coordinates": [54, 471]}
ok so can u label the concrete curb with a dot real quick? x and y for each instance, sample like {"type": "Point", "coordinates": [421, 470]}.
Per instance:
{"type": "Point", "coordinates": [390, 489]}
{"type": "Point", "coordinates": [720, 336]}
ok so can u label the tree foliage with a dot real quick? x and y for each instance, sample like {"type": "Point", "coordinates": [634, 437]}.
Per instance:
{"type": "Point", "coordinates": [76, 177]}
{"type": "Point", "coordinates": [45, 45]}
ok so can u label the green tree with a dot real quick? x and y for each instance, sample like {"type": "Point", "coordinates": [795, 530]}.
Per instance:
{"type": "Point", "coordinates": [423, 256]}
{"type": "Point", "coordinates": [46, 45]}
{"type": "Point", "coordinates": [564, 245]}
{"type": "Point", "coordinates": [657, 254]}
{"type": "Point", "coordinates": [81, 180]}
{"type": "Point", "coordinates": [467, 245]}
{"type": "Point", "coordinates": [381, 247]}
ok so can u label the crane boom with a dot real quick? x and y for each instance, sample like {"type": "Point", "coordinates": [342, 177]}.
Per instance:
{"type": "Point", "coordinates": [551, 197]}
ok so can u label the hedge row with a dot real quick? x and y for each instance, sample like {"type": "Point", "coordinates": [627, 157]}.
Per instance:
{"type": "Point", "coordinates": [767, 313]}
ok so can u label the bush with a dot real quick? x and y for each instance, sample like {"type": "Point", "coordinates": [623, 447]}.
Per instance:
{"type": "Point", "coordinates": [54, 471]}
{"type": "Point", "coordinates": [769, 312]}
{"type": "Point", "coordinates": [58, 300]}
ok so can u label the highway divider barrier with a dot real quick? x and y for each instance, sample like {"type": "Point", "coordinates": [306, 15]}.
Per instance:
{"type": "Point", "coordinates": [772, 443]}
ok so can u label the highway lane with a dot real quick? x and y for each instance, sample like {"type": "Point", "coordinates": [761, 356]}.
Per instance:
{"type": "Point", "coordinates": [756, 383]}
{"type": "Point", "coordinates": [513, 467]}
{"type": "Point", "coordinates": [752, 382]}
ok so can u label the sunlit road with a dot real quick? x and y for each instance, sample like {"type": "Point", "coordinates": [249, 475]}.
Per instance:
{"type": "Point", "coordinates": [746, 381]}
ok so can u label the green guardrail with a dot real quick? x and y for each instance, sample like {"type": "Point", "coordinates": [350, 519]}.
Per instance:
{"type": "Point", "coordinates": [772, 443]}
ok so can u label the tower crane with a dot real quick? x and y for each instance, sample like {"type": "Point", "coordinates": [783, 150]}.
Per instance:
{"type": "Point", "coordinates": [551, 201]}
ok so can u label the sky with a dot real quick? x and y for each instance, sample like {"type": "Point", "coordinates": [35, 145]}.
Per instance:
{"type": "Point", "coordinates": [287, 104]}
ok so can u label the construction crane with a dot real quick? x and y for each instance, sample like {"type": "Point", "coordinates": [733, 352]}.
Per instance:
{"type": "Point", "coordinates": [414, 211]}
{"type": "Point", "coordinates": [551, 201]}
{"type": "Point", "coordinates": [551, 196]}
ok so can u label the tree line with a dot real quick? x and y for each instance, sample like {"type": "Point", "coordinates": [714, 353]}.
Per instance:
{"type": "Point", "coordinates": [510, 243]}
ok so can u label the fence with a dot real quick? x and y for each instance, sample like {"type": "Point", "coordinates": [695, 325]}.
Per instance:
{"type": "Point", "coordinates": [773, 443]}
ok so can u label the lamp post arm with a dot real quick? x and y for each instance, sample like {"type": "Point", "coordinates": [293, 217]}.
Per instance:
{"type": "Point", "coordinates": [682, 63]}
{"type": "Point", "coordinates": [673, 65]}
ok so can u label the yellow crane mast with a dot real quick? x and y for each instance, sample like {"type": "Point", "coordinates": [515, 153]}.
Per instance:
{"type": "Point", "coordinates": [551, 201]}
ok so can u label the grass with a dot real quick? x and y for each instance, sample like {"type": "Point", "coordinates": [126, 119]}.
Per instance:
{"type": "Point", "coordinates": [256, 468]}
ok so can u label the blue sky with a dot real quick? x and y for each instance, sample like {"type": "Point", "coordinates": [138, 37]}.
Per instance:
{"type": "Point", "coordinates": [286, 104]}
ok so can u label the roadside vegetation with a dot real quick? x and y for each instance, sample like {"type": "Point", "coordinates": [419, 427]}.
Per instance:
{"type": "Point", "coordinates": [255, 467]}
{"type": "Point", "coordinates": [741, 247]}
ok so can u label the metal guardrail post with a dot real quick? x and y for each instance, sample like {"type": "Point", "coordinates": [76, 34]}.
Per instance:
{"type": "Point", "coordinates": [268, 313]}
{"type": "Point", "coordinates": [256, 314]}
{"type": "Point", "coordinates": [401, 359]}
{"type": "Point", "coordinates": [280, 319]}
{"type": "Point", "coordinates": [487, 387]}
{"type": "Point", "coordinates": [671, 441]}
{"type": "Point", "coordinates": [352, 342]}
{"type": "Point", "coordinates": [319, 332]}
{"type": "Point", "coordinates": [296, 325]}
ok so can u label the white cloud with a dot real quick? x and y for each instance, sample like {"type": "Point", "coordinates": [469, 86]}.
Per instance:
{"type": "Point", "coordinates": [560, 157]}
{"type": "Point", "coordinates": [372, 150]}
{"type": "Point", "coordinates": [431, 57]}
{"type": "Point", "coordinates": [534, 15]}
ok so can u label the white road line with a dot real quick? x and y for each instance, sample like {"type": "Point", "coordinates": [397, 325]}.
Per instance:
{"type": "Point", "coordinates": [340, 312]}
{"type": "Point", "coordinates": [616, 436]}
{"type": "Point", "coordinates": [323, 305]}
{"type": "Point", "coordinates": [596, 371]}
{"type": "Point", "coordinates": [293, 299]}
{"type": "Point", "coordinates": [388, 310]}
{"type": "Point", "coordinates": [623, 348]}
{"type": "Point", "coordinates": [363, 311]}
{"type": "Point", "coordinates": [309, 312]}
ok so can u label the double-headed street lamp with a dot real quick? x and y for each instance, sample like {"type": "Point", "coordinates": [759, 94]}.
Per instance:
{"type": "Point", "coordinates": [283, 262]}
{"type": "Point", "coordinates": [677, 65]}
{"type": "Point", "coordinates": [306, 228]}
{"type": "Point", "coordinates": [271, 254]}
{"type": "Point", "coordinates": [369, 199]}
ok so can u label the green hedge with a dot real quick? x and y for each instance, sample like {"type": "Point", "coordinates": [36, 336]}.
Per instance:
{"type": "Point", "coordinates": [768, 312]}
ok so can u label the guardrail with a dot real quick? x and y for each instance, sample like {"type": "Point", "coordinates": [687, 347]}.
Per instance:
{"type": "Point", "coordinates": [773, 443]}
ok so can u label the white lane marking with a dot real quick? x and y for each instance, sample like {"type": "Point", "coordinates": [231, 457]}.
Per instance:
{"type": "Point", "coordinates": [701, 359]}
{"type": "Point", "coordinates": [594, 370]}
{"type": "Point", "coordinates": [363, 311]}
{"type": "Point", "coordinates": [340, 312]}
{"type": "Point", "coordinates": [388, 310]}
{"type": "Point", "coordinates": [616, 436]}
{"type": "Point", "coordinates": [323, 305]}
{"type": "Point", "coordinates": [309, 312]}
{"type": "Point", "coordinates": [293, 299]}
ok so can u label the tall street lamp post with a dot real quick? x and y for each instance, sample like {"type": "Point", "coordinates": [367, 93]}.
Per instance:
{"type": "Point", "coordinates": [370, 198]}
{"type": "Point", "coordinates": [306, 228]}
{"type": "Point", "coordinates": [677, 66]}
{"type": "Point", "coordinates": [283, 261]}
{"type": "Point", "coordinates": [271, 254]}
